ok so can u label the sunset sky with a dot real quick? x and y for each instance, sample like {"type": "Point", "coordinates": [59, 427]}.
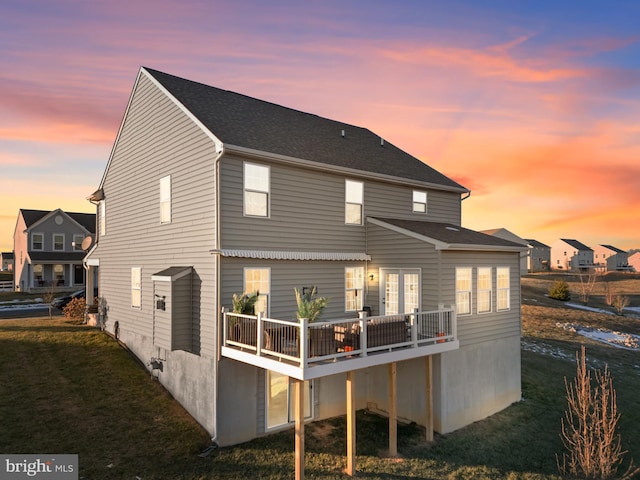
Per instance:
{"type": "Point", "coordinates": [533, 105]}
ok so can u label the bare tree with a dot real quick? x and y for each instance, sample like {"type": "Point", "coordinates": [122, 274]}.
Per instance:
{"type": "Point", "coordinates": [589, 427]}
{"type": "Point", "coordinates": [620, 302]}
{"type": "Point", "coordinates": [587, 282]}
{"type": "Point", "coordinates": [48, 297]}
{"type": "Point", "coordinates": [609, 292]}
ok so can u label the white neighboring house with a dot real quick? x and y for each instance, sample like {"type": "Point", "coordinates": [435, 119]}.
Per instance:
{"type": "Point", "coordinates": [512, 237]}
{"type": "Point", "coordinates": [634, 262]}
{"type": "Point", "coordinates": [610, 258]}
{"type": "Point", "coordinates": [539, 258]}
{"type": "Point", "coordinates": [570, 255]}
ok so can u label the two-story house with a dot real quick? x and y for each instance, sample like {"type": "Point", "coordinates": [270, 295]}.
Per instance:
{"type": "Point", "coordinates": [208, 193]}
{"type": "Point", "coordinates": [571, 255]}
{"type": "Point", "coordinates": [48, 250]}
{"type": "Point", "coordinates": [610, 259]}
{"type": "Point", "coordinates": [634, 262]}
{"type": "Point", "coordinates": [507, 235]}
{"type": "Point", "coordinates": [539, 259]}
{"type": "Point", "coordinates": [6, 261]}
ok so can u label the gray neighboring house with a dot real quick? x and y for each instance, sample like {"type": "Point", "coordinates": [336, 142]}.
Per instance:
{"type": "Point", "coordinates": [6, 261]}
{"type": "Point", "coordinates": [48, 249]}
{"type": "Point", "coordinates": [634, 262]}
{"type": "Point", "coordinates": [611, 259]}
{"type": "Point", "coordinates": [539, 259]}
{"type": "Point", "coordinates": [208, 193]}
{"type": "Point", "coordinates": [571, 255]}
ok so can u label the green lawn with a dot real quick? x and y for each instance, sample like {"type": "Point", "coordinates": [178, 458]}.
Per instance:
{"type": "Point", "coordinates": [68, 388]}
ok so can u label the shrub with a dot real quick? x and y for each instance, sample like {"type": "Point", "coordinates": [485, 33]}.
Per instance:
{"type": "Point", "coordinates": [560, 291]}
{"type": "Point", "coordinates": [75, 308]}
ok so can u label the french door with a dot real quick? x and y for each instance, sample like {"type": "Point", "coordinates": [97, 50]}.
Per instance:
{"type": "Point", "coordinates": [400, 290]}
{"type": "Point", "coordinates": [280, 401]}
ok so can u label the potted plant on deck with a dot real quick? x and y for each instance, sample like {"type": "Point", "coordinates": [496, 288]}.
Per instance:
{"type": "Point", "coordinates": [243, 330]}
{"type": "Point", "coordinates": [321, 340]}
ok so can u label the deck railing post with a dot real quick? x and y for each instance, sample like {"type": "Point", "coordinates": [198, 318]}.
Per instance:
{"type": "Point", "coordinates": [415, 321]}
{"type": "Point", "coordinates": [363, 336]}
{"type": "Point", "coordinates": [304, 351]}
{"type": "Point", "coordinates": [454, 322]}
{"type": "Point", "coordinates": [260, 334]}
{"type": "Point", "coordinates": [225, 327]}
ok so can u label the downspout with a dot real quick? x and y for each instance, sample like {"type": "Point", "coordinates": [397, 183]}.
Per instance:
{"type": "Point", "coordinates": [217, 246]}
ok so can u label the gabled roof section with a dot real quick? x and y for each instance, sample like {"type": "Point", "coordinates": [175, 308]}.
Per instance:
{"type": "Point", "coordinates": [447, 236]}
{"type": "Point", "coordinates": [613, 249]}
{"type": "Point", "coordinates": [246, 122]}
{"type": "Point", "coordinates": [536, 243]}
{"type": "Point", "coordinates": [575, 244]}
{"type": "Point", "coordinates": [85, 220]}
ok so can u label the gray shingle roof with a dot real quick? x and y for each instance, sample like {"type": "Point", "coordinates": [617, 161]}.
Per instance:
{"type": "Point", "coordinates": [613, 249]}
{"type": "Point", "coordinates": [575, 244]}
{"type": "Point", "coordinates": [451, 234]}
{"type": "Point", "coordinates": [536, 243]}
{"type": "Point", "coordinates": [56, 256]}
{"type": "Point", "coordinates": [263, 126]}
{"type": "Point", "coordinates": [87, 220]}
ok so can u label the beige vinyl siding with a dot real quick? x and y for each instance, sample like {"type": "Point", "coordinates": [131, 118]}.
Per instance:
{"type": "Point", "coordinates": [146, 151]}
{"type": "Point", "coordinates": [328, 276]}
{"type": "Point", "coordinates": [309, 206]}
{"type": "Point", "coordinates": [389, 249]}
{"type": "Point", "coordinates": [476, 328]}
{"type": "Point", "coordinates": [162, 318]}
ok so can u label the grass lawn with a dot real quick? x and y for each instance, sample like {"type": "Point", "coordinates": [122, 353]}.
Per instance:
{"type": "Point", "coordinates": [68, 388]}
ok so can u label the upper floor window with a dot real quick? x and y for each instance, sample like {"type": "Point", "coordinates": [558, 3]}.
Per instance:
{"type": "Point", "coordinates": [58, 242]}
{"type": "Point", "coordinates": [484, 290]}
{"type": "Point", "coordinates": [463, 290]}
{"type": "Point", "coordinates": [103, 217]}
{"type": "Point", "coordinates": [354, 288]}
{"type": "Point", "coordinates": [136, 287]}
{"type": "Point", "coordinates": [419, 201]}
{"type": "Point", "coordinates": [165, 199]}
{"type": "Point", "coordinates": [503, 289]}
{"type": "Point", "coordinates": [354, 196]}
{"type": "Point", "coordinates": [77, 242]}
{"type": "Point", "coordinates": [256, 190]}
{"type": "Point", "coordinates": [37, 241]}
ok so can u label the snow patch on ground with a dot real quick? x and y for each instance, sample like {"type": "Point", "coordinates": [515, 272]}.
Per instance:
{"type": "Point", "coordinates": [616, 339]}
{"type": "Point", "coordinates": [31, 304]}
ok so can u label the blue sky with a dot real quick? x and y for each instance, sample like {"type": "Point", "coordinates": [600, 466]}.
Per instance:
{"type": "Point", "coordinates": [534, 106]}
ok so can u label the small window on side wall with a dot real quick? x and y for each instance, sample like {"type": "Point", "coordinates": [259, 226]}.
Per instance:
{"type": "Point", "coordinates": [419, 201]}
{"type": "Point", "coordinates": [463, 290]}
{"type": "Point", "coordinates": [256, 190]}
{"type": "Point", "coordinates": [354, 199]}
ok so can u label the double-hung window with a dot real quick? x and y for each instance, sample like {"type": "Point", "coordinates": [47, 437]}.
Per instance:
{"type": "Point", "coordinates": [354, 199]}
{"type": "Point", "coordinates": [503, 289]}
{"type": "Point", "coordinates": [484, 290]}
{"type": "Point", "coordinates": [37, 241]}
{"type": "Point", "coordinates": [463, 290]}
{"type": "Point", "coordinates": [58, 242]}
{"type": "Point", "coordinates": [165, 199]}
{"type": "Point", "coordinates": [256, 190]}
{"type": "Point", "coordinates": [257, 280]}
{"type": "Point", "coordinates": [419, 201]}
{"type": "Point", "coordinates": [77, 241]}
{"type": "Point", "coordinates": [136, 287]}
{"type": "Point", "coordinates": [354, 288]}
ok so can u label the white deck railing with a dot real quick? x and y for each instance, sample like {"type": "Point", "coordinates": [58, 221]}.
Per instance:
{"type": "Point", "coordinates": [305, 345]}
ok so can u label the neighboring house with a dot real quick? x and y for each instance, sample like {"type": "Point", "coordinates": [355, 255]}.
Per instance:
{"type": "Point", "coordinates": [507, 235]}
{"type": "Point", "coordinates": [208, 193]}
{"type": "Point", "coordinates": [6, 261]}
{"type": "Point", "coordinates": [571, 255]}
{"type": "Point", "coordinates": [48, 249]}
{"type": "Point", "coordinates": [539, 258]}
{"type": "Point", "coordinates": [634, 261]}
{"type": "Point", "coordinates": [610, 258]}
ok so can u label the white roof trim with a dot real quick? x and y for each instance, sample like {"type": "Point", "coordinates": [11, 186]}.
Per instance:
{"type": "Point", "coordinates": [291, 255]}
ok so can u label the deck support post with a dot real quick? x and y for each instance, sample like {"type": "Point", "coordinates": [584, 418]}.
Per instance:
{"type": "Point", "coordinates": [299, 414]}
{"type": "Point", "coordinates": [393, 412]}
{"type": "Point", "coordinates": [351, 424]}
{"type": "Point", "coordinates": [429, 400]}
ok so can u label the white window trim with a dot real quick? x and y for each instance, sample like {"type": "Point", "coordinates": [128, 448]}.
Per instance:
{"type": "Point", "coordinates": [245, 189]}
{"type": "Point", "coordinates": [53, 242]}
{"type": "Point", "coordinates": [490, 290]}
{"type": "Point", "coordinates": [425, 203]}
{"type": "Point", "coordinates": [508, 289]}
{"type": "Point", "coordinates": [360, 299]}
{"type": "Point", "coordinates": [470, 290]}
{"type": "Point", "coordinates": [267, 294]}
{"type": "Point", "coordinates": [361, 203]}
{"type": "Point", "coordinates": [41, 243]}
{"type": "Point", "coordinates": [165, 198]}
{"type": "Point", "coordinates": [139, 269]}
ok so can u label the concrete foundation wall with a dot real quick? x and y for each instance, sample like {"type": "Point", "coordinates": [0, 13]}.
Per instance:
{"type": "Point", "coordinates": [475, 382]}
